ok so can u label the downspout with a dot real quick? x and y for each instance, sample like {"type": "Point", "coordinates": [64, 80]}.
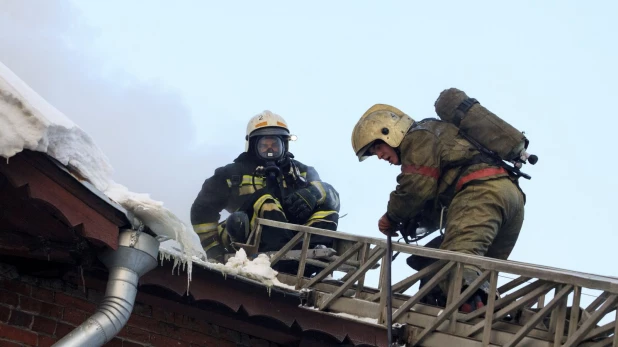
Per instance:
{"type": "Point", "coordinates": [136, 255]}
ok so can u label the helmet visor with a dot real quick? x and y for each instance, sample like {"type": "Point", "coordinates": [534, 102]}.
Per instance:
{"type": "Point", "coordinates": [365, 152]}
{"type": "Point", "coordinates": [269, 147]}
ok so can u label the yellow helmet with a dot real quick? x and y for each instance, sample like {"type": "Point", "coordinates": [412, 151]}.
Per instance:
{"type": "Point", "coordinates": [380, 122]}
{"type": "Point", "coordinates": [266, 123]}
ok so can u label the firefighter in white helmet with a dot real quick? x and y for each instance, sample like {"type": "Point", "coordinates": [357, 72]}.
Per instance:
{"type": "Point", "coordinates": [265, 181]}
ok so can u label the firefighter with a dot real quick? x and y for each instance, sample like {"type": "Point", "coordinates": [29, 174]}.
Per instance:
{"type": "Point", "coordinates": [443, 175]}
{"type": "Point", "coordinates": [265, 181]}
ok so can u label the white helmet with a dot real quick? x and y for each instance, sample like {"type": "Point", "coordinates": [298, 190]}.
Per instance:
{"type": "Point", "coordinates": [266, 123]}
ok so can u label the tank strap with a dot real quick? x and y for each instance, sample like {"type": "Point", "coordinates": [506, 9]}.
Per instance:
{"type": "Point", "coordinates": [467, 104]}
{"type": "Point", "coordinates": [462, 109]}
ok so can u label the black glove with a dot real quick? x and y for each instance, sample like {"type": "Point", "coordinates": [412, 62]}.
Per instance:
{"type": "Point", "coordinates": [237, 226]}
{"type": "Point", "coordinates": [299, 205]}
{"type": "Point", "coordinates": [408, 229]}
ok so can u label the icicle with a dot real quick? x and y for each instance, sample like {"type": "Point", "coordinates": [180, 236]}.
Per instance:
{"type": "Point", "coordinates": [163, 256]}
{"type": "Point", "coordinates": [175, 264]}
{"type": "Point", "coordinates": [189, 267]}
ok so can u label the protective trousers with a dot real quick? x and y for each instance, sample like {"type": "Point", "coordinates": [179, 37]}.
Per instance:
{"type": "Point", "coordinates": [484, 219]}
{"type": "Point", "coordinates": [216, 241]}
{"type": "Point", "coordinates": [268, 207]}
{"type": "Point", "coordinates": [273, 239]}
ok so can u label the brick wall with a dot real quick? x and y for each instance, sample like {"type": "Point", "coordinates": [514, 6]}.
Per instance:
{"type": "Point", "coordinates": [38, 312]}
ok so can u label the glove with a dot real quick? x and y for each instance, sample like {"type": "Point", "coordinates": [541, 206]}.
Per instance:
{"type": "Point", "coordinates": [387, 226]}
{"type": "Point", "coordinates": [299, 205]}
{"type": "Point", "coordinates": [237, 226]}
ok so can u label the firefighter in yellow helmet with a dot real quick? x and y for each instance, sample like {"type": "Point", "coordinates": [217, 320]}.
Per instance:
{"type": "Point", "coordinates": [265, 181]}
{"type": "Point", "coordinates": [442, 172]}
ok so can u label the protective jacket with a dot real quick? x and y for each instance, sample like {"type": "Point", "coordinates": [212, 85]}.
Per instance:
{"type": "Point", "coordinates": [485, 205]}
{"type": "Point", "coordinates": [436, 163]}
{"type": "Point", "coordinates": [241, 186]}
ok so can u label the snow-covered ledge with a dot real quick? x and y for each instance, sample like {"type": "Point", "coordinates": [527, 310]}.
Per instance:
{"type": "Point", "coordinates": [27, 121]}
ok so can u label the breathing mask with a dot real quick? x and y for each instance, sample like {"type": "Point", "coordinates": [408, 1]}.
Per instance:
{"type": "Point", "coordinates": [270, 148]}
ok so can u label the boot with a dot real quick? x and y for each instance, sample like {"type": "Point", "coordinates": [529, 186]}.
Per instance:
{"type": "Point", "coordinates": [474, 303]}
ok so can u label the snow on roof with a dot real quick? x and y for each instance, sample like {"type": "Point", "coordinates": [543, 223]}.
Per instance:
{"type": "Point", "coordinates": [258, 269]}
{"type": "Point", "coordinates": [27, 121]}
{"type": "Point", "coordinates": [345, 315]}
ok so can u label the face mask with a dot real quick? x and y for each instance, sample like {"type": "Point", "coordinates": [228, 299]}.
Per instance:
{"type": "Point", "coordinates": [269, 148]}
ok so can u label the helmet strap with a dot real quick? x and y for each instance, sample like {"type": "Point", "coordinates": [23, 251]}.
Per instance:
{"type": "Point", "coordinates": [398, 152]}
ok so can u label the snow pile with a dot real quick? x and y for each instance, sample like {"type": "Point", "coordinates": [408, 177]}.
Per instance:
{"type": "Point", "coordinates": [258, 269]}
{"type": "Point", "coordinates": [27, 121]}
{"type": "Point", "coordinates": [160, 220]}
{"type": "Point", "coordinates": [343, 315]}
{"type": "Point", "coordinates": [362, 319]}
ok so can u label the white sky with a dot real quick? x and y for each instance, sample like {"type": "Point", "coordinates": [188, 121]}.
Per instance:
{"type": "Point", "coordinates": [166, 91]}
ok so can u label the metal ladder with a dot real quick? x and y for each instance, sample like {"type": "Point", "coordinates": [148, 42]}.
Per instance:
{"type": "Point", "coordinates": [518, 316]}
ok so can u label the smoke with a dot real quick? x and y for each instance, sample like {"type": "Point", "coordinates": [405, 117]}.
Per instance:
{"type": "Point", "coordinates": [142, 126]}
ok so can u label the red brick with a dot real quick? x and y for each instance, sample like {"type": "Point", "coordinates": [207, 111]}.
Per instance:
{"type": "Point", "coordinates": [142, 310]}
{"type": "Point", "coordinates": [191, 336]}
{"type": "Point", "coordinates": [94, 296]}
{"type": "Point", "coordinates": [20, 319]}
{"type": "Point", "coordinates": [5, 343]}
{"type": "Point", "coordinates": [17, 287]}
{"type": "Point", "coordinates": [44, 325]}
{"type": "Point", "coordinates": [196, 324]}
{"type": "Point", "coordinates": [10, 299]}
{"type": "Point", "coordinates": [46, 341]}
{"type": "Point", "coordinates": [208, 328]}
{"type": "Point", "coordinates": [126, 343]}
{"type": "Point", "coordinates": [51, 310]}
{"type": "Point", "coordinates": [162, 315]}
{"type": "Point", "coordinates": [5, 312]}
{"type": "Point", "coordinates": [70, 301]}
{"type": "Point", "coordinates": [143, 323]}
{"type": "Point", "coordinates": [42, 294]}
{"type": "Point", "coordinates": [186, 321]}
{"type": "Point", "coordinates": [30, 305]}
{"type": "Point", "coordinates": [134, 334]}
{"type": "Point", "coordinates": [63, 329]}
{"type": "Point", "coordinates": [164, 341]}
{"type": "Point", "coordinates": [73, 316]}
{"type": "Point", "coordinates": [167, 329]}
{"type": "Point", "coordinates": [16, 334]}
{"type": "Point", "coordinates": [230, 335]}
{"type": "Point", "coordinates": [76, 292]}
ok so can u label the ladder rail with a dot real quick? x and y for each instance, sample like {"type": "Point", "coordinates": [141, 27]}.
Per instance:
{"type": "Point", "coordinates": [582, 279]}
{"type": "Point", "coordinates": [545, 323]}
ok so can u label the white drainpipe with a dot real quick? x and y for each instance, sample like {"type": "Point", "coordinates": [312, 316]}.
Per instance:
{"type": "Point", "coordinates": [136, 255]}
